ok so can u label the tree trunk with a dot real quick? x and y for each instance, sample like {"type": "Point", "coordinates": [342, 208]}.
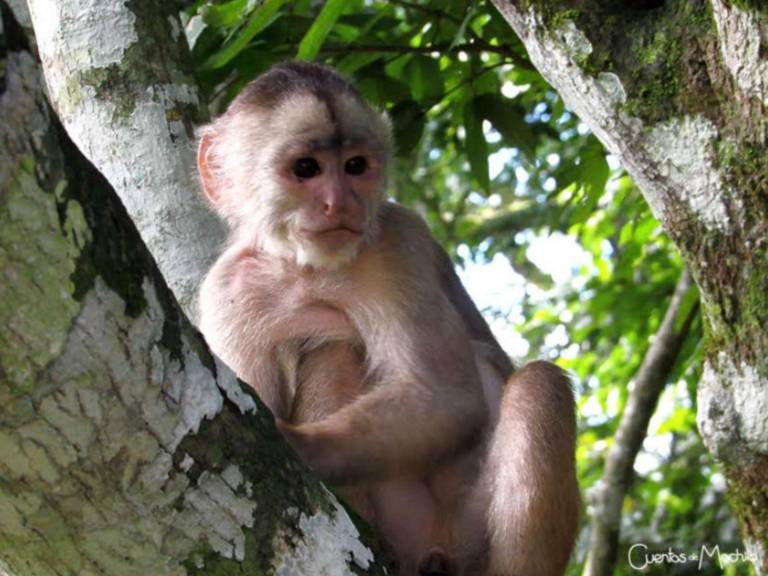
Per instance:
{"type": "Point", "coordinates": [118, 75]}
{"type": "Point", "coordinates": [125, 447]}
{"type": "Point", "coordinates": [678, 90]}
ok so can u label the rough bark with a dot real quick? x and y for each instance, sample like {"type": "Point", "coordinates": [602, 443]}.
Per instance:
{"type": "Point", "coordinates": [678, 91]}
{"type": "Point", "coordinates": [118, 76]}
{"type": "Point", "coordinates": [607, 496]}
{"type": "Point", "coordinates": [125, 447]}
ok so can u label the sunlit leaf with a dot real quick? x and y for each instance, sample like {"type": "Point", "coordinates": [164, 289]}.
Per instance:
{"type": "Point", "coordinates": [259, 19]}
{"type": "Point", "coordinates": [314, 38]}
{"type": "Point", "coordinates": [224, 15]}
{"type": "Point", "coordinates": [423, 74]}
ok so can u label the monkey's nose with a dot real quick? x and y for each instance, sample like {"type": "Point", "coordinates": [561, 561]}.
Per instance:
{"type": "Point", "coordinates": [330, 208]}
{"type": "Point", "coordinates": [332, 200]}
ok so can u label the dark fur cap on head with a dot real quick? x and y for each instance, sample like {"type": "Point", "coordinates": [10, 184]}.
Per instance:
{"type": "Point", "coordinates": [293, 77]}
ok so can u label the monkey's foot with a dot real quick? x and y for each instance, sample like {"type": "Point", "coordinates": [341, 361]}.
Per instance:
{"type": "Point", "coordinates": [435, 564]}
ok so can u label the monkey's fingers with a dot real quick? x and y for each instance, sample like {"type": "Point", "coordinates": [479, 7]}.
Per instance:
{"type": "Point", "coordinates": [320, 447]}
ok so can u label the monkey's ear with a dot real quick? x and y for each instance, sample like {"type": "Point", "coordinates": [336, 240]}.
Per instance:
{"type": "Point", "coordinates": [206, 167]}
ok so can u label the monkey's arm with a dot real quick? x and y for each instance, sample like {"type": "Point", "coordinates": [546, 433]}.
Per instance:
{"type": "Point", "coordinates": [400, 428]}
{"type": "Point", "coordinates": [232, 316]}
{"type": "Point", "coordinates": [428, 401]}
{"type": "Point", "coordinates": [421, 334]}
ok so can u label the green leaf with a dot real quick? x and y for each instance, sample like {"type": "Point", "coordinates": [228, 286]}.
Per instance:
{"type": "Point", "coordinates": [509, 120]}
{"type": "Point", "coordinates": [595, 170]}
{"type": "Point", "coordinates": [486, 79]}
{"type": "Point", "coordinates": [396, 67]}
{"type": "Point", "coordinates": [352, 63]}
{"type": "Point", "coordinates": [423, 75]}
{"type": "Point", "coordinates": [224, 15]}
{"type": "Point", "coordinates": [258, 20]}
{"type": "Point", "coordinates": [314, 38]}
{"type": "Point", "coordinates": [645, 229]}
{"type": "Point", "coordinates": [459, 36]}
{"type": "Point", "coordinates": [381, 89]}
{"type": "Point", "coordinates": [408, 122]}
{"type": "Point", "coordinates": [521, 76]}
{"type": "Point", "coordinates": [476, 146]}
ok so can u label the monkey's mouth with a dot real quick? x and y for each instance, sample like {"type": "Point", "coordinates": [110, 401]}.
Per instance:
{"type": "Point", "coordinates": [332, 237]}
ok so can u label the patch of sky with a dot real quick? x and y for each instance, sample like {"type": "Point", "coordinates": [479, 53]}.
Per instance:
{"type": "Point", "coordinates": [499, 160]}
{"type": "Point", "coordinates": [491, 136]}
{"type": "Point", "coordinates": [511, 90]}
{"type": "Point", "coordinates": [499, 291]}
{"type": "Point", "coordinates": [560, 256]}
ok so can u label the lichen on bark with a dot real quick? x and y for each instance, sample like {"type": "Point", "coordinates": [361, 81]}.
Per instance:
{"type": "Point", "coordinates": [118, 72]}
{"type": "Point", "coordinates": [37, 263]}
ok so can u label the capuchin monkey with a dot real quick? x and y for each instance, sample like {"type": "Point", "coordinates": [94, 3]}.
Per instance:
{"type": "Point", "coordinates": [348, 319]}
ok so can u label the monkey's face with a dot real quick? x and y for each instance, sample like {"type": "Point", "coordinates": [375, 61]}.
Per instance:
{"type": "Point", "coordinates": [302, 179]}
{"type": "Point", "coordinates": [328, 174]}
{"type": "Point", "coordinates": [333, 187]}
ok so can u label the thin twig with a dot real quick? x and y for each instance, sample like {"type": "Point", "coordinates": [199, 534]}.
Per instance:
{"type": "Point", "coordinates": [477, 47]}
{"type": "Point", "coordinates": [650, 380]}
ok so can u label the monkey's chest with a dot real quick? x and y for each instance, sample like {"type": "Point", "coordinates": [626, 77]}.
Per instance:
{"type": "Point", "coordinates": [318, 320]}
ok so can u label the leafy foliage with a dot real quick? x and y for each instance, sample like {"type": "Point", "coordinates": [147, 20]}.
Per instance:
{"type": "Point", "coordinates": [491, 156]}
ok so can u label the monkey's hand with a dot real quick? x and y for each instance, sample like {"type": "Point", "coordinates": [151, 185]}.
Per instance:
{"type": "Point", "coordinates": [323, 446]}
{"type": "Point", "coordinates": [397, 429]}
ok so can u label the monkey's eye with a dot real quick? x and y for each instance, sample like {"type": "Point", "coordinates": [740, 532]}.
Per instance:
{"type": "Point", "coordinates": [356, 165]}
{"type": "Point", "coordinates": [305, 168]}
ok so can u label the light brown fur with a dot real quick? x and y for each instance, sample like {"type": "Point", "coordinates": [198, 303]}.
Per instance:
{"type": "Point", "coordinates": [379, 369]}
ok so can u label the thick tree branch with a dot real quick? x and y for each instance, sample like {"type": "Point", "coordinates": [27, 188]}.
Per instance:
{"type": "Point", "coordinates": [650, 380]}
{"type": "Point", "coordinates": [119, 78]}
{"type": "Point", "coordinates": [741, 46]}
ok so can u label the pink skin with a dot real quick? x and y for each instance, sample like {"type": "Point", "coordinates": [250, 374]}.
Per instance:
{"type": "Point", "coordinates": [332, 204]}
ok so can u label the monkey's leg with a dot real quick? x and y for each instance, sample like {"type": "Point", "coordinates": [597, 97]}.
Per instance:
{"type": "Point", "coordinates": [406, 515]}
{"type": "Point", "coordinates": [403, 510]}
{"type": "Point", "coordinates": [529, 479]}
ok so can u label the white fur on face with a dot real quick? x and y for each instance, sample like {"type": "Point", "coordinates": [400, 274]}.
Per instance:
{"type": "Point", "coordinates": [257, 205]}
{"type": "Point", "coordinates": [307, 254]}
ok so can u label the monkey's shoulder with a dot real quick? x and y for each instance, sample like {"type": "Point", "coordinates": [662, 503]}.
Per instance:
{"type": "Point", "coordinates": [406, 237]}
{"type": "Point", "coordinates": [240, 279]}
{"type": "Point", "coordinates": [399, 222]}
